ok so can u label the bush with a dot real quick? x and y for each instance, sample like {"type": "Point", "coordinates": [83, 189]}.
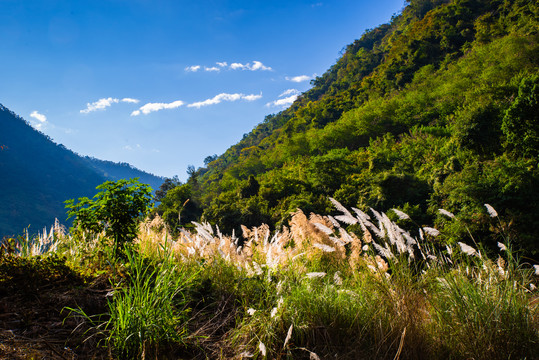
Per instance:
{"type": "Point", "coordinates": [115, 211]}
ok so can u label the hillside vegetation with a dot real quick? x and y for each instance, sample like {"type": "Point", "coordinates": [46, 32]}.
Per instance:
{"type": "Point", "coordinates": [389, 213]}
{"type": "Point", "coordinates": [436, 109]}
{"type": "Point", "coordinates": [312, 290]}
{"type": "Point", "coordinates": [38, 175]}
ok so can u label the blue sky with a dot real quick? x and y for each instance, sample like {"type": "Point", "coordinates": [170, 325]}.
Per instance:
{"type": "Point", "coordinates": [163, 84]}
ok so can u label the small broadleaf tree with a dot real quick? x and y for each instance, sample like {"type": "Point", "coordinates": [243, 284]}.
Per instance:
{"type": "Point", "coordinates": [117, 210]}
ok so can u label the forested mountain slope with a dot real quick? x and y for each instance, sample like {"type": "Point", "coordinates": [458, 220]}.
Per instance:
{"type": "Point", "coordinates": [117, 171]}
{"type": "Point", "coordinates": [37, 176]}
{"type": "Point", "coordinates": [436, 109]}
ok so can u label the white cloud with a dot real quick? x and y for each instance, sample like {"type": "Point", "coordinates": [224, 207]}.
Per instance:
{"type": "Point", "coordinates": [104, 103]}
{"type": "Point", "coordinates": [193, 68]}
{"type": "Point", "coordinates": [283, 102]}
{"type": "Point", "coordinates": [256, 65]}
{"type": "Point", "coordinates": [216, 100]}
{"type": "Point", "coordinates": [100, 104]}
{"type": "Point", "coordinates": [252, 97]}
{"type": "Point", "coordinates": [41, 120]}
{"type": "Point", "coordinates": [298, 79]}
{"type": "Point", "coordinates": [238, 66]}
{"type": "Point", "coordinates": [40, 117]}
{"type": "Point", "coordinates": [151, 107]}
{"type": "Point", "coordinates": [130, 100]}
{"type": "Point", "coordinates": [224, 97]}
{"type": "Point", "coordinates": [288, 97]}
{"type": "Point", "coordinates": [289, 92]}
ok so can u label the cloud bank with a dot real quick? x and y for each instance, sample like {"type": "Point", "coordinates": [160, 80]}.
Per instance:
{"type": "Point", "coordinates": [104, 103]}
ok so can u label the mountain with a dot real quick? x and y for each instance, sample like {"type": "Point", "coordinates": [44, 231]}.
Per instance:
{"type": "Point", "coordinates": [117, 171]}
{"type": "Point", "coordinates": [37, 176]}
{"type": "Point", "coordinates": [436, 109]}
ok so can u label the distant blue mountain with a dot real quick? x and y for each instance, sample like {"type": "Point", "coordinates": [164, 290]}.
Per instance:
{"type": "Point", "coordinates": [38, 175]}
{"type": "Point", "coordinates": [117, 171]}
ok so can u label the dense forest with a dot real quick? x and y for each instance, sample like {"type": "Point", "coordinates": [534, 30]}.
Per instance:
{"type": "Point", "coordinates": [436, 109]}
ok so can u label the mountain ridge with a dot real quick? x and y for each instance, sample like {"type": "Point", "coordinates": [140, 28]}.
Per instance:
{"type": "Point", "coordinates": [38, 175]}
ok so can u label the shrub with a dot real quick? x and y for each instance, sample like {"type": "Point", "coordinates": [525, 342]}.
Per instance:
{"type": "Point", "coordinates": [116, 210]}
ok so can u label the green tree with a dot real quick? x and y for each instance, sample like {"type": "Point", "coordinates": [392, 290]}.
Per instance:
{"type": "Point", "coordinates": [521, 121]}
{"type": "Point", "coordinates": [117, 209]}
{"type": "Point", "coordinates": [209, 159]}
{"type": "Point", "coordinates": [178, 207]}
{"type": "Point", "coordinates": [166, 186]}
{"type": "Point", "coordinates": [193, 175]}
{"type": "Point", "coordinates": [250, 188]}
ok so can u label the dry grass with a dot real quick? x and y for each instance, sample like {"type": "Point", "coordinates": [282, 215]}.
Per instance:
{"type": "Point", "coordinates": [318, 289]}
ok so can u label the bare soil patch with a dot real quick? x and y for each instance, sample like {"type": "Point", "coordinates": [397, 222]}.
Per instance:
{"type": "Point", "coordinates": [34, 321]}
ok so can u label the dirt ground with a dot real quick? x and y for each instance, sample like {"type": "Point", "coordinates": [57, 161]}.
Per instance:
{"type": "Point", "coordinates": [34, 321]}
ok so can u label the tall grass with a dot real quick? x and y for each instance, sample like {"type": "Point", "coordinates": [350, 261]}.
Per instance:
{"type": "Point", "coordinates": [482, 309]}
{"type": "Point", "coordinates": [349, 286]}
{"type": "Point", "coordinates": [383, 292]}
{"type": "Point", "coordinates": [148, 312]}
{"type": "Point", "coordinates": [40, 244]}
